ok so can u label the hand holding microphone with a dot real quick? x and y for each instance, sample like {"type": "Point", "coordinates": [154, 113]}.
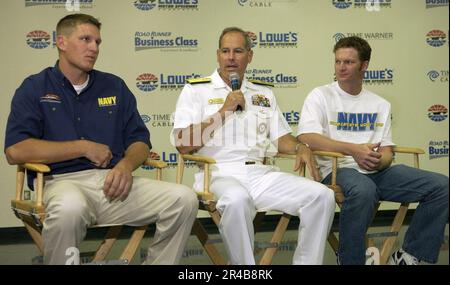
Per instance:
{"type": "Point", "coordinates": [235, 86]}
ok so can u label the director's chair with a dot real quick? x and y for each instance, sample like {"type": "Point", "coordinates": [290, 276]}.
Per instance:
{"type": "Point", "coordinates": [207, 202]}
{"type": "Point", "coordinates": [389, 236]}
{"type": "Point", "coordinates": [32, 214]}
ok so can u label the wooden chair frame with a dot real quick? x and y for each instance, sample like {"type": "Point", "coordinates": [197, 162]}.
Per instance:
{"type": "Point", "coordinates": [207, 202]}
{"type": "Point", "coordinates": [32, 214]}
{"type": "Point", "coordinates": [390, 236]}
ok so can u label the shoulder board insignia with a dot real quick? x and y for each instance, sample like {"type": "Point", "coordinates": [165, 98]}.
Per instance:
{"type": "Point", "coordinates": [198, 80]}
{"type": "Point", "coordinates": [258, 82]}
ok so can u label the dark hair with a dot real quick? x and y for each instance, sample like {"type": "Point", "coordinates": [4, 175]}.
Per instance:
{"type": "Point", "coordinates": [69, 22]}
{"type": "Point", "coordinates": [248, 41]}
{"type": "Point", "coordinates": [361, 45]}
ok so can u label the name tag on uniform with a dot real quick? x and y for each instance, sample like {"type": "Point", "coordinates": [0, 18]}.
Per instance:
{"type": "Point", "coordinates": [260, 100]}
{"type": "Point", "coordinates": [216, 101]}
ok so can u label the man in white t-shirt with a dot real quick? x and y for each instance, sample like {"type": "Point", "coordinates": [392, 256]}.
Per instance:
{"type": "Point", "coordinates": [344, 117]}
{"type": "Point", "coordinates": [207, 122]}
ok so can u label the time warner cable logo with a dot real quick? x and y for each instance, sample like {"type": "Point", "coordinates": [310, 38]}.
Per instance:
{"type": "Point", "coordinates": [438, 76]}
{"type": "Point", "coordinates": [158, 120]}
{"type": "Point", "coordinates": [366, 35]}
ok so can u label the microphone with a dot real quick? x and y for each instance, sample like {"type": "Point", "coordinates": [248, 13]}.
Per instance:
{"type": "Point", "coordinates": [234, 81]}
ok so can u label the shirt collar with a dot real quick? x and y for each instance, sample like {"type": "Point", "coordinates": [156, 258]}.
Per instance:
{"type": "Point", "coordinates": [60, 76]}
{"type": "Point", "coordinates": [218, 82]}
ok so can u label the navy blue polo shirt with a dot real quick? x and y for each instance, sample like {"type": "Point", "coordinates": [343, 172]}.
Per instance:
{"type": "Point", "coordinates": [47, 107]}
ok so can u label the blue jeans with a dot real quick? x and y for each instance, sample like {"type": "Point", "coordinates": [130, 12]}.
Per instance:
{"type": "Point", "coordinates": [398, 183]}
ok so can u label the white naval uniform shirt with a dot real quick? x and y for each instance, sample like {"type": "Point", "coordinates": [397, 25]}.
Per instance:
{"type": "Point", "coordinates": [245, 136]}
{"type": "Point", "coordinates": [330, 111]}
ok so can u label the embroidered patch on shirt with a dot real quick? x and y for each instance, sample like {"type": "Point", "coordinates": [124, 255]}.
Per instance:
{"type": "Point", "coordinates": [260, 100]}
{"type": "Point", "coordinates": [216, 101]}
{"type": "Point", "coordinates": [51, 98]}
{"type": "Point", "coordinates": [107, 101]}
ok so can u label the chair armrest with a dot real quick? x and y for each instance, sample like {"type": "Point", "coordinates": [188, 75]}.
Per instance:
{"type": "Point", "coordinates": [155, 163]}
{"type": "Point", "coordinates": [328, 154]}
{"type": "Point", "coordinates": [198, 158]}
{"type": "Point", "coordinates": [316, 152]}
{"type": "Point", "coordinates": [412, 150]}
{"type": "Point", "coordinates": [205, 195]}
{"type": "Point", "coordinates": [38, 167]}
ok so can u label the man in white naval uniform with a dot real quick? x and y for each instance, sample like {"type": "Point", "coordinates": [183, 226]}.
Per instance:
{"type": "Point", "coordinates": [206, 122]}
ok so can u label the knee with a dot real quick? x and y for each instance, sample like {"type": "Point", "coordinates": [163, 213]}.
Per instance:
{"type": "Point", "coordinates": [187, 197]}
{"type": "Point", "coordinates": [362, 194]}
{"type": "Point", "coordinates": [441, 186]}
{"type": "Point", "coordinates": [67, 213]}
{"type": "Point", "coordinates": [326, 196]}
{"type": "Point", "coordinates": [237, 203]}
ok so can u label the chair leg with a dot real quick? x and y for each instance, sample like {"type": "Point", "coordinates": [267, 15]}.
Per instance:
{"type": "Point", "coordinates": [108, 242]}
{"type": "Point", "coordinates": [133, 243]}
{"type": "Point", "coordinates": [389, 242]}
{"type": "Point", "coordinates": [333, 241]}
{"type": "Point", "coordinates": [209, 247]}
{"type": "Point", "coordinates": [36, 235]}
{"type": "Point", "coordinates": [276, 240]}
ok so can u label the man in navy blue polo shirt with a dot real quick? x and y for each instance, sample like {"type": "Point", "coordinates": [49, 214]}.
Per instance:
{"type": "Point", "coordinates": [85, 125]}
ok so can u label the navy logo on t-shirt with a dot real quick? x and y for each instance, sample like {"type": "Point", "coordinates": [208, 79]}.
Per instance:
{"type": "Point", "coordinates": [107, 101]}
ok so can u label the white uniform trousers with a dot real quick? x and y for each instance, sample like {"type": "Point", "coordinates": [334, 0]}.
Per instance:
{"type": "Point", "coordinates": [242, 190]}
{"type": "Point", "coordinates": [74, 201]}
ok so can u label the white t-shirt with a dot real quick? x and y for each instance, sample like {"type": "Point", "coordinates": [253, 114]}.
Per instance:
{"type": "Point", "coordinates": [244, 136]}
{"type": "Point", "coordinates": [79, 88]}
{"type": "Point", "coordinates": [330, 111]}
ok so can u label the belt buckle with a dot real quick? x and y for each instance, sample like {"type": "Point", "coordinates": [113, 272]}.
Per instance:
{"type": "Point", "coordinates": [250, 162]}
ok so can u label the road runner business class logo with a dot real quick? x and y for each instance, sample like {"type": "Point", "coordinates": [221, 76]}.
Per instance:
{"type": "Point", "coordinates": [66, 4]}
{"type": "Point", "coordinates": [435, 3]}
{"type": "Point", "coordinates": [438, 149]}
{"type": "Point", "coordinates": [278, 79]}
{"type": "Point", "coordinates": [164, 41]}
